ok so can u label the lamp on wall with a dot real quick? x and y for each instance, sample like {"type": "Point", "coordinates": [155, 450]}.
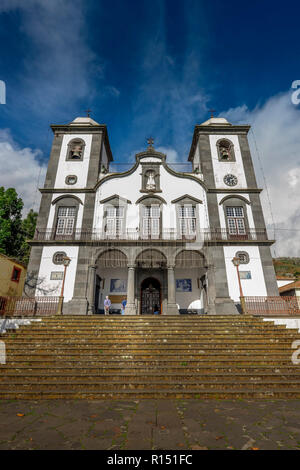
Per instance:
{"type": "Point", "coordinates": [66, 262]}
{"type": "Point", "coordinates": [236, 262]}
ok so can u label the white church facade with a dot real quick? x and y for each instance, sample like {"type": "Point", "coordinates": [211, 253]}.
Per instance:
{"type": "Point", "coordinates": [161, 239]}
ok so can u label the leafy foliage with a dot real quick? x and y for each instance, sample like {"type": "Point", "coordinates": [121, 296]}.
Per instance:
{"type": "Point", "coordinates": [11, 236]}
{"type": "Point", "coordinates": [28, 229]}
{"type": "Point", "coordinates": [13, 230]}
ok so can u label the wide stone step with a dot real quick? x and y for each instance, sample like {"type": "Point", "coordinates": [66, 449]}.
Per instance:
{"type": "Point", "coordinates": [163, 355]}
{"type": "Point", "coordinates": [137, 337]}
{"type": "Point", "coordinates": [151, 343]}
{"type": "Point", "coordinates": [156, 324]}
{"type": "Point", "coordinates": [123, 343]}
{"type": "Point", "coordinates": [153, 394]}
{"type": "Point", "coordinates": [150, 363]}
{"type": "Point", "coordinates": [152, 328]}
{"type": "Point", "coordinates": [147, 385]}
{"type": "Point", "coordinates": [145, 349]}
{"type": "Point", "coordinates": [117, 370]}
{"type": "Point", "coordinates": [145, 377]}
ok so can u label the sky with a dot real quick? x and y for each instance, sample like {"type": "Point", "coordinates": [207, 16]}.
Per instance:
{"type": "Point", "coordinates": [154, 68]}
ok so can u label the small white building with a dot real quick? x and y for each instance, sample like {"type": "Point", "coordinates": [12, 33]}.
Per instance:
{"type": "Point", "coordinates": [159, 238]}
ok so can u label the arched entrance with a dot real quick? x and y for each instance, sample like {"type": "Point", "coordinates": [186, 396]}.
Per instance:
{"type": "Point", "coordinates": [150, 296]}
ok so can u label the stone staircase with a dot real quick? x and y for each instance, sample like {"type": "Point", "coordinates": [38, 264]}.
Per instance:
{"type": "Point", "coordinates": [98, 357]}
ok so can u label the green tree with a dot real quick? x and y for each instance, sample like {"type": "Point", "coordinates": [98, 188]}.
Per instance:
{"type": "Point", "coordinates": [28, 229]}
{"type": "Point", "coordinates": [11, 233]}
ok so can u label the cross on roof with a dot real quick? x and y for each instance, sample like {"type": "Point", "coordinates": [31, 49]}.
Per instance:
{"type": "Point", "coordinates": [88, 112]}
{"type": "Point", "coordinates": [212, 111]}
{"type": "Point", "coordinates": [150, 141]}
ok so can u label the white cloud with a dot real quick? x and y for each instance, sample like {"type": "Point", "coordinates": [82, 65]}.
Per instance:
{"type": "Point", "coordinates": [276, 129]}
{"type": "Point", "coordinates": [172, 155]}
{"type": "Point", "coordinates": [21, 170]}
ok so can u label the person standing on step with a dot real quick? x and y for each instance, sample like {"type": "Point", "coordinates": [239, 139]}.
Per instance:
{"type": "Point", "coordinates": [156, 309]}
{"type": "Point", "coordinates": [124, 302]}
{"type": "Point", "coordinates": [107, 305]}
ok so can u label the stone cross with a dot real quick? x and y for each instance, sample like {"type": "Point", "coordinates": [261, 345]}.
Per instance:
{"type": "Point", "coordinates": [150, 141]}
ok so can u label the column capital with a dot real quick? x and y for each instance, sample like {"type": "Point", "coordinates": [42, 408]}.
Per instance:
{"type": "Point", "coordinates": [171, 266]}
{"type": "Point", "coordinates": [131, 266]}
{"type": "Point", "coordinates": [93, 266]}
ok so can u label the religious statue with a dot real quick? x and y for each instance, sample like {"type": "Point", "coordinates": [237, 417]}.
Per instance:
{"type": "Point", "coordinates": [150, 184]}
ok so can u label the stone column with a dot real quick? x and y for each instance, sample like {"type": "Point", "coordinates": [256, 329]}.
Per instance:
{"type": "Point", "coordinates": [91, 289]}
{"type": "Point", "coordinates": [172, 308]}
{"type": "Point", "coordinates": [130, 308]}
{"type": "Point", "coordinates": [210, 290]}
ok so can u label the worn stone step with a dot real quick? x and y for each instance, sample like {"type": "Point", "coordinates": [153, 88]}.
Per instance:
{"type": "Point", "coordinates": [133, 377]}
{"type": "Point", "coordinates": [150, 344]}
{"type": "Point", "coordinates": [153, 324]}
{"type": "Point", "coordinates": [144, 349]}
{"type": "Point", "coordinates": [149, 385]}
{"type": "Point", "coordinates": [149, 362]}
{"type": "Point", "coordinates": [117, 370]}
{"type": "Point", "coordinates": [150, 327]}
{"type": "Point", "coordinates": [158, 354]}
{"type": "Point", "coordinates": [154, 394]}
{"type": "Point", "coordinates": [134, 336]}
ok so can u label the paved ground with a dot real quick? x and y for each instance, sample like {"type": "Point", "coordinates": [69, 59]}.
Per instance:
{"type": "Point", "coordinates": [150, 424]}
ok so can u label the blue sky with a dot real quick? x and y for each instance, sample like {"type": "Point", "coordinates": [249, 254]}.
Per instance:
{"type": "Point", "coordinates": [150, 68]}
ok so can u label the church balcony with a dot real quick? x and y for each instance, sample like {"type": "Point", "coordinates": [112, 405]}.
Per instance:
{"type": "Point", "coordinates": [214, 235]}
{"type": "Point", "coordinates": [250, 234]}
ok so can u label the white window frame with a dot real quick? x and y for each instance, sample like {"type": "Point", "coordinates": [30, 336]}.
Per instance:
{"type": "Point", "coordinates": [114, 221]}
{"type": "Point", "coordinates": [187, 220]}
{"type": "Point", "coordinates": [151, 221]}
{"type": "Point", "coordinates": [236, 220]}
{"type": "Point", "coordinates": [66, 217]}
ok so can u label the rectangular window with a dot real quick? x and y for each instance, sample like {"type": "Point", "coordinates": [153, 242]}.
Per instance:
{"type": "Point", "coordinates": [114, 221]}
{"type": "Point", "coordinates": [236, 221]}
{"type": "Point", "coordinates": [65, 220]}
{"type": "Point", "coordinates": [16, 274]}
{"type": "Point", "coordinates": [187, 220]}
{"type": "Point", "coordinates": [151, 221]}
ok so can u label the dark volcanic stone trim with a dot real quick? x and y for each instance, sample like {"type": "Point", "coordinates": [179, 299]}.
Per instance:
{"type": "Point", "coordinates": [53, 162]}
{"type": "Point", "coordinates": [247, 161]}
{"type": "Point", "coordinates": [234, 196]}
{"type": "Point", "coordinates": [268, 270]}
{"type": "Point", "coordinates": [68, 196]}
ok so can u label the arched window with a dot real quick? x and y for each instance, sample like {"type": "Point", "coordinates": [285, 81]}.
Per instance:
{"type": "Point", "coordinates": [65, 218]}
{"type": "Point", "coordinates": [150, 216]}
{"type": "Point", "coordinates": [75, 150]}
{"type": "Point", "coordinates": [225, 151]}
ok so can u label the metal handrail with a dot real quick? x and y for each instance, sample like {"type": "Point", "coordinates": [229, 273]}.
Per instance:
{"type": "Point", "coordinates": [214, 234]}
